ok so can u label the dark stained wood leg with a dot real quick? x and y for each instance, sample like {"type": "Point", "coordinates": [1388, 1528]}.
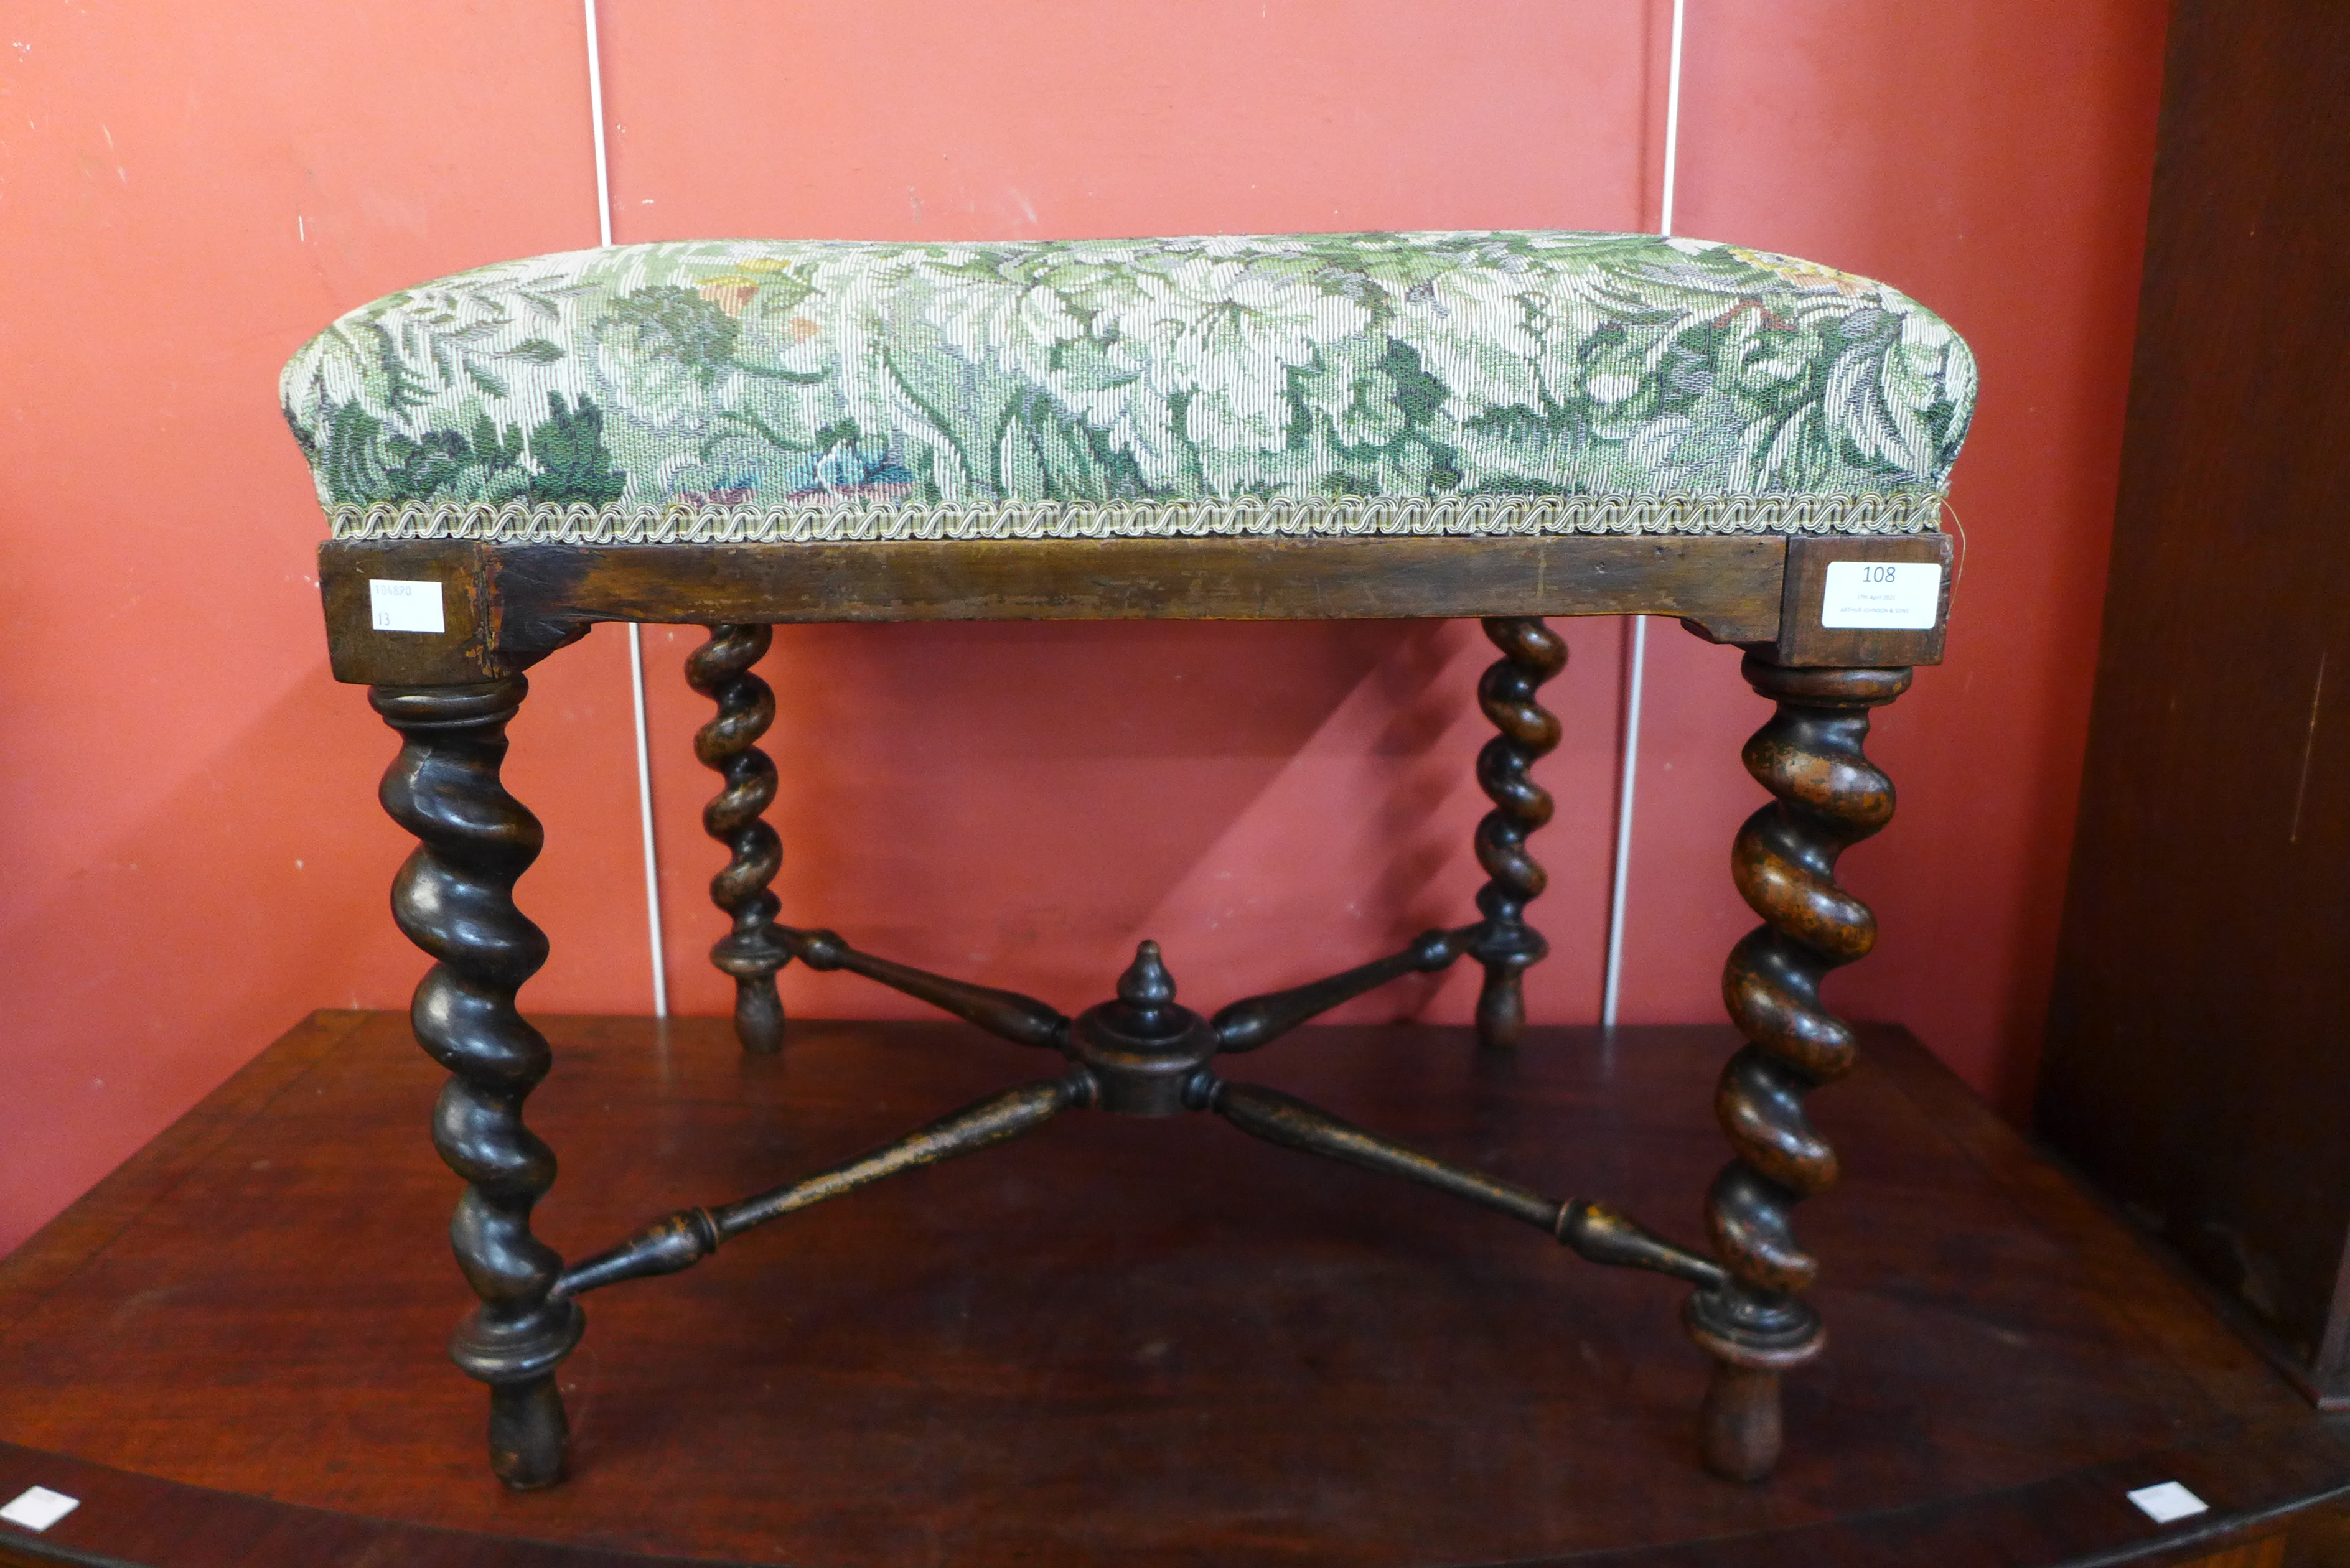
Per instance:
{"type": "Point", "coordinates": [1829, 796]}
{"type": "Point", "coordinates": [1593, 1230]}
{"type": "Point", "coordinates": [1256, 1021]}
{"type": "Point", "coordinates": [1738, 1425]}
{"type": "Point", "coordinates": [721, 670]}
{"type": "Point", "coordinates": [1022, 1020]}
{"type": "Point", "coordinates": [677, 1241]}
{"type": "Point", "coordinates": [1530, 654]}
{"type": "Point", "coordinates": [454, 899]}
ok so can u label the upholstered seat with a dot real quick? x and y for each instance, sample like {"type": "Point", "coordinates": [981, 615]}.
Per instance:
{"type": "Point", "coordinates": [1430, 383]}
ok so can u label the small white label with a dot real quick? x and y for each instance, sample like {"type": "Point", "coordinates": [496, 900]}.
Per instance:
{"type": "Point", "coordinates": [416, 606]}
{"type": "Point", "coordinates": [1882, 595]}
{"type": "Point", "coordinates": [37, 1507]}
{"type": "Point", "coordinates": [2167, 1501]}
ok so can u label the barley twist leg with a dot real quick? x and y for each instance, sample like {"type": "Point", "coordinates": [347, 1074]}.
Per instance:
{"type": "Point", "coordinates": [454, 899]}
{"type": "Point", "coordinates": [1828, 796]}
{"type": "Point", "coordinates": [1506, 946]}
{"type": "Point", "coordinates": [722, 669]}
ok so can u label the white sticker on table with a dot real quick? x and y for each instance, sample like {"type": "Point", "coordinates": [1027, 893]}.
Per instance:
{"type": "Point", "coordinates": [415, 607]}
{"type": "Point", "coordinates": [1882, 595]}
{"type": "Point", "coordinates": [37, 1507]}
{"type": "Point", "coordinates": [2167, 1501]}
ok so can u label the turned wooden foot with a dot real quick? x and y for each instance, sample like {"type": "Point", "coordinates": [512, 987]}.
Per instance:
{"type": "Point", "coordinates": [454, 899]}
{"type": "Point", "coordinates": [1505, 945]}
{"type": "Point", "coordinates": [529, 1434]}
{"type": "Point", "coordinates": [1738, 1425]}
{"type": "Point", "coordinates": [1738, 1431]}
{"type": "Point", "coordinates": [722, 669]}
{"type": "Point", "coordinates": [1827, 797]}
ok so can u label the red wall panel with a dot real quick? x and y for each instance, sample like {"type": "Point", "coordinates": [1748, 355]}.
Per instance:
{"type": "Point", "coordinates": [1995, 160]}
{"type": "Point", "coordinates": [193, 854]}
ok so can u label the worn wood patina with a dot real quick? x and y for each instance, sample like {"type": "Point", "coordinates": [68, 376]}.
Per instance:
{"type": "Point", "coordinates": [506, 605]}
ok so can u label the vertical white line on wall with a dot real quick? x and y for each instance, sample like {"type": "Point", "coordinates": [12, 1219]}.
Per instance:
{"type": "Point", "coordinates": [1637, 663]}
{"type": "Point", "coordinates": [636, 633]}
{"type": "Point", "coordinates": [1672, 123]}
{"type": "Point", "coordinates": [645, 824]}
{"type": "Point", "coordinates": [1620, 883]}
{"type": "Point", "coordinates": [596, 114]}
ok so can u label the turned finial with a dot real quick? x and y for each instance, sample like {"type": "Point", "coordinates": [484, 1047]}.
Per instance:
{"type": "Point", "coordinates": [1140, 1050]}
{"type": "Point", "coordinates": [1146, 986]}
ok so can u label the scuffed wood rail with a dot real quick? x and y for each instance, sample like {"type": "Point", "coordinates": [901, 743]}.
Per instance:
{"type": "Point", "coordinates": [508, 605]}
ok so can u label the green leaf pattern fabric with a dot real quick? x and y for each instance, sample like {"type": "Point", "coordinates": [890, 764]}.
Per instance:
{"type": "Point", "coordinates": [1153, 383]}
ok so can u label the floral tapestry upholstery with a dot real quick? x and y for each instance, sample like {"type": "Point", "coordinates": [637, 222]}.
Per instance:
{"type": "Point", "coordinates": [1416, 383]}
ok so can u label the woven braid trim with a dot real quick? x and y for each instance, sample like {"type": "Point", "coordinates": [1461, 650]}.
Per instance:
{"type": "Point", "coordinates": [1883, 512]}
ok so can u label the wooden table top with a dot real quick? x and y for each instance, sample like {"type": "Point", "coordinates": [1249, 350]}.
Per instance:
{"type": "Point", "coordinates": [1156, 1343]}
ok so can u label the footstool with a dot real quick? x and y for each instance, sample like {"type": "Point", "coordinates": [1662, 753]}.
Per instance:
{"type": "Point", "coordinates": [1506, 425]}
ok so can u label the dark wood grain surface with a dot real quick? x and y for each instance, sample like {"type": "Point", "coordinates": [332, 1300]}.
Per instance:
{"type": "Point", "coordinates": [2195, 1062]}
{"type": "Point", "coordinates": [1147, 1342]}
{"type": "Point", "coordinates": [1803, 640]}
{"type": "Point", "coordinates": [509, 603]}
